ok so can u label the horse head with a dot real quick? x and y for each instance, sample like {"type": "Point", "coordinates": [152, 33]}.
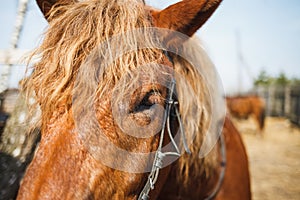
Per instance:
{"type": "Point", "coordinates": [103, 83]}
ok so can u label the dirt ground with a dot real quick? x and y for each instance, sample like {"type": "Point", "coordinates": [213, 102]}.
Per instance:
{"type": "Point", "coordinates": [274, 159]}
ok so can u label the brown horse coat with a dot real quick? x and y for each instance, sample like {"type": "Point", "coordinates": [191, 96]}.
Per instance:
{"type": "Point", "coordinates": [236, 183]}
{"type": "Point", "coordinates": [64, 166]}
{"type": "Point", "coordinates": [243, 107]}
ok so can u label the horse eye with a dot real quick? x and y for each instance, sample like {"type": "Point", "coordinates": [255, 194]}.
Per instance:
{"type": "Point", "coordinates": [152, 97]}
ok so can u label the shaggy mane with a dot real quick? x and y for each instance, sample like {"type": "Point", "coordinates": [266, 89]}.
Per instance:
{"type": "Point", "coordinates": [76, 30]}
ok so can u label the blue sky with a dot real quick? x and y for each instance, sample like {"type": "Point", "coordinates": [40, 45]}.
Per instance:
{"type": "Point", "coordinates": [267, 32]}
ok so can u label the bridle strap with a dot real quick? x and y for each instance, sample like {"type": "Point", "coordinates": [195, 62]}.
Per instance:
{"type": "Point", "coordinates": [144, 195]}
{"type": "Point", "coordinates": [159, 155]}
{"type": "Point", "coordinates": [223, 168]}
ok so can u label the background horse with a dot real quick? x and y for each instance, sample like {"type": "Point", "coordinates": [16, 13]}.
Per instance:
{"type": "Point", "coordinates": [242, 107]}
{"type": "Point", "coordinates": [94, 108]}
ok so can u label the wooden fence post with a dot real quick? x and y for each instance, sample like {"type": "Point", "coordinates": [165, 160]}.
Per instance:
{"type": "Point", "coordinates": [271, 100]}
{"type": "Point", "coordinates": [287, 102]}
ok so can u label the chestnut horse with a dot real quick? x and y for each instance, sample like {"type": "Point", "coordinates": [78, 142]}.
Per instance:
{"type": "Point", "coordinates": [243, 107]}
{"type": "Point", "coordinates": [112, 100]}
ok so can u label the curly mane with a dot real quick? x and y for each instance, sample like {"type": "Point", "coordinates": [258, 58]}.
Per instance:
{"type": "Point", "coordinates": [75, 30]}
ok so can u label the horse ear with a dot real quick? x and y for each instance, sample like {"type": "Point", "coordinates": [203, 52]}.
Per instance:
{"type": "Point", "coordinates": [186, 16]}
{"type": "Point", "coordinates": [46, 5]}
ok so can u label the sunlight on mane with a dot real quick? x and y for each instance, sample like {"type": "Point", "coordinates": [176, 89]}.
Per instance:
{"type": "Point", "coordinates": [76, 30]}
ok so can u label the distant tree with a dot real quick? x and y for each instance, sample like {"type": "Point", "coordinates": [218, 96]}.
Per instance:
{"type": "Point", "coordinates": [282, 79]}
{"type": "Point", "coordinates": [263, 79]}
{"type": "Point", "coordinates": [295, 81]}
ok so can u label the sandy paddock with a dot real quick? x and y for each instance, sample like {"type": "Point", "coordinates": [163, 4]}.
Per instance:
{"type": "Point", "coordinates": [274, 158]}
